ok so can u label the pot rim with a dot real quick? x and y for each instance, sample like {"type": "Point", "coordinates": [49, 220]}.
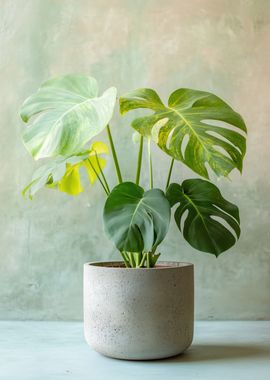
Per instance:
{"type": "Point", "coordinates": [114, 265]}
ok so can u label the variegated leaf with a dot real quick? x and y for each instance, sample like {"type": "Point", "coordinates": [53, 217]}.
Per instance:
{"type": "Point", "coordinates": [68, 112]}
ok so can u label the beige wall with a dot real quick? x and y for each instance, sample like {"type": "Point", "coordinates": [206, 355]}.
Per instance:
{"type": "Point", "coordinates": [215, 45]}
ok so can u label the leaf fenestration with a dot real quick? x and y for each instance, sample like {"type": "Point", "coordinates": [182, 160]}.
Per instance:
{"type": "Point", "coordinates": [212, 223]}
{"type": "Point", "coordinates": [188, 128]}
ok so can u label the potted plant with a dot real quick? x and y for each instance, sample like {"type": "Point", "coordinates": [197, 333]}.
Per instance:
{"type": "Point", "coordinates": [139, 307]}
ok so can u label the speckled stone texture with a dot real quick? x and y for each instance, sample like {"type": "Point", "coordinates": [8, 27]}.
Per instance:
{"type": "Point", "coordinates": [139, 314]}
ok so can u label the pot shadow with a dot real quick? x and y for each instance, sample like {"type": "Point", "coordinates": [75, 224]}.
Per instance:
{"type": "Point", "coordinates": [212, 352]}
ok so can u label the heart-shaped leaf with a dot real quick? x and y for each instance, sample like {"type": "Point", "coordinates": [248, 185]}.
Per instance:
{"type": "Point", "coordinates": [63, 173]}
{"type": "Point", "coordinates": [135, 220]}
{"type": "Point", "coordinates": [212, 223]}
{"type": "Point", "coordinates": [71, 113]}
{"type": "Point", "coordinates": [188, 128]}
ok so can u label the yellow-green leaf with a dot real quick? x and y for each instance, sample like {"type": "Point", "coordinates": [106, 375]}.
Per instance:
{"type": "Point", "coordinates": [93, 166]}
{"type": "Point", "coordinates": [64, 172]}
{"type": "Point", "coordinates": [99, 147]}
{"type": "Point", "coordinates": [71, 182]}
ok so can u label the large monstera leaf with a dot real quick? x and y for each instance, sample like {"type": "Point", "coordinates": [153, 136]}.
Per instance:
{"type": "Point", "coordinates": [212, 223]}
{"type": "Point", "coordinates": [69, 114]}
{"type": "Point", "coordinates": [63, 173]}
{"type": "Point", "coordinates": [135, 220]}
{"type": "Point", "coordinates": [188, 129]}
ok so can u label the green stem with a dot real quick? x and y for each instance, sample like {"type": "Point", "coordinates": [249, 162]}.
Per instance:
{"type": "Point", "coordinates": [125, 259]}
{"type": "Point", "coordinates": [148, 262]}
{"type": "Point", "coordinates": [143, 260]}
{"type": "Point", "coordinates": [105, 189]}
{"type": "Point", "coordinates": [139, 164]}
{"type": "Point", "coordinates": [150, 164]}
{"type": "Point", "coordinates": [131, 260]}
{"type": "Point", "coordinates": [137, 258]}
{"type": "Point", "coordinates": [102, 174]}
{"type": "Point", "coordinates": [170, 173]}
{"type": "Point", "coordinates": [117, 168]}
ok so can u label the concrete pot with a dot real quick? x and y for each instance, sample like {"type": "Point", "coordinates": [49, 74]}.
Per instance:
{"type": "Point", "coordinates": [138, 314]}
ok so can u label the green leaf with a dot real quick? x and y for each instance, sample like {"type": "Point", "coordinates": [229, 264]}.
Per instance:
{"type": "Point", "coordinates": [182, 129]}
{"type": "Point", "coordinates": [212, 223]}
{"type": "Point", "coordinates": [135, 220]}
{"type": "Point", "coordinates": [69, 114]}
{"type": "Point", "coordinates": [63, 173]}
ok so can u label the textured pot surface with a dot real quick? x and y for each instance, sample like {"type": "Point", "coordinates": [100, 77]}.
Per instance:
{"type": "Point", "coordinates": [139, 314]}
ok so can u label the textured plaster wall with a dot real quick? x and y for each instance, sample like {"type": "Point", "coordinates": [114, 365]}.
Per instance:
{"type": "Point", "coordinates": [215, 45]}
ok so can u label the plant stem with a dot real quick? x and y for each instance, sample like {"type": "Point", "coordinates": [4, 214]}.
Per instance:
{"type": "Point", "coordinates": [170, 173]}
{"type": "Point", "coordinates": [116, 164]}
{"type": "Point", "coordinates": [104, 187]}
{"type": "Point", "coordinates": [102, 174]}
{"type": "Point", "coordinates": [142, 260]}
{"type": "Point", "coordinates": [148, 262]}
{"type": "Point", "coordinates": [139, 259]}
{"type": "Point", "coordinates": [150, 164]}
{"type": "Point", "coordinates": [125, 259]}
{"type": "Point", "coordinates": [139, 164]}
{"type": "Point", "coordinates": [132, 261]}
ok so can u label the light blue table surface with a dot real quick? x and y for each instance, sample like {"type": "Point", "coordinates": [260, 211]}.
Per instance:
{"type": "Point", "coordinates": [57, 350]}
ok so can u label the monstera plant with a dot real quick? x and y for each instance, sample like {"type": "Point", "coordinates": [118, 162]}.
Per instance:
{"type": "Point", "coordinates": [196, 128]}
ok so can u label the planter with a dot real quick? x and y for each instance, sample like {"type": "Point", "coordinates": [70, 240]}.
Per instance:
{"type": "Point", "coordinates": [138, 314]}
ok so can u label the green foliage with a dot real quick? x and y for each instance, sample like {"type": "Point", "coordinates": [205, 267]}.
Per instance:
{"type": "Point", "coordinates": [182, 129]}
{"type": "Point", "coordinates": [204, 203]}
{"type": "Point", "coordinates": [134, 219]}
{"type": "Point", "coordinates": [70, 113]}
{"type": "Point", "coordinates": [196, 128]}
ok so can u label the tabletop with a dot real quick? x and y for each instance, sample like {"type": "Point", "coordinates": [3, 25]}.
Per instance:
{"type": "Point", "coordinates": [57, 350]}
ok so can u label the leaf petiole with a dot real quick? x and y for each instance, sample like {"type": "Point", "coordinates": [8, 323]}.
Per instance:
{"type": "Point", "coordinates": [170, 173]}
{"type": "Point", "coordinates": [102, 174]}
{"type": "Point", "coordinates": [150, 164]}
{"type": "Point", "coordinates": [139, 164]}
{"type": "Point", "coordinates": [98, 177]}
{"type": "Point", "coordinates": [115, 159]}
